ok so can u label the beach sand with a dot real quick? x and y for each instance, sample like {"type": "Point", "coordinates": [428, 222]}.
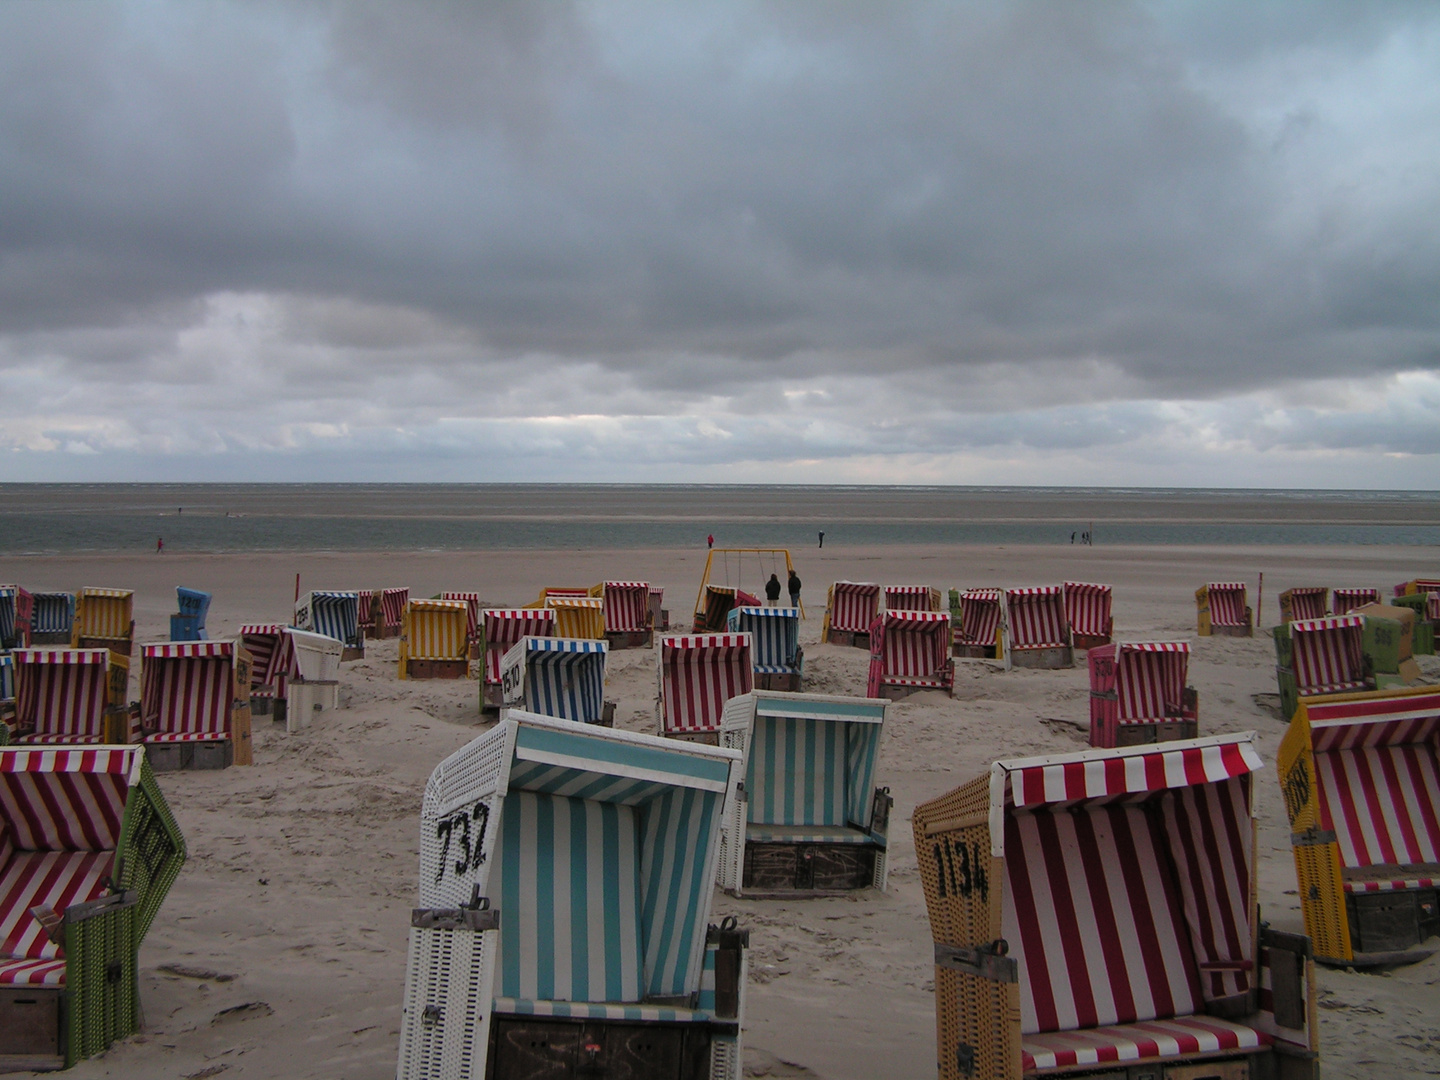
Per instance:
{"type": "Point", "coordinates": [281, 949]}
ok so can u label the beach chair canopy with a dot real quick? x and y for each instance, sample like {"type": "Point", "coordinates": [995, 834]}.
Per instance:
{"type": "Point", "coordinates": [1343, 600]}
{"type": "Point", "coordinates": [1037, 618]}
{"type": "Point", "coordinates": [1227, 603]}
{"type": "Point", "coordinates": [392, 605]}
{"type": "Point", "coordinates": [61, 694]}
{"type": "Point", "coordinates": [193, 603]}
{"type": "Point", "coordinates": [853, 606]}
{"type": "Point", "coordinates": [719, 602]}
{"type": "Point", "coordinates": [774, 635]}
{"type": "Point", "coordinates": [910, 648]}
{"type": "Point", "coordinates": [316, 656]}
{"type": "Point", "coordinates": [434, 630]}
{"type": "Point", "coordinates": [1327, 654]}
{"type": "Point", "coordinates": [503, 627]}
{"type": "Point", "coordinates": [187, 689]}
{"type": "Point", "coordinates": [272, 658]}
{"type": "Point", "coordinates": [1087, 608]}
{"type": "Point", "coordinates": [626, 606]}
{"type": "Point", "coordinates": [472, 611]}
{"type": "Point", "coordinates": [365, 609]}
{"type": "Point", "coordinates": [911, 598]}
{"type": "Point", "coordinates": [979, 617]}
{"type": "Point", "coordinates": [104, 613]}
{"type": "Point", "coordinates": [560, 677]}
{"type": "Point", "coordinates": [54, 613]}
{"type": "Point", "coordinates": [699, 673]}
{"type": "Point", "coordinates": [1306, 602]}
{"type": "Point", "coordinates": [334, 614]}
{"type": "Point", "coordinates": [17, 609]}
{"type": "Point", "coordinates": [578, 617]}
{"type": "Point", "coordinates": [1147, 677]}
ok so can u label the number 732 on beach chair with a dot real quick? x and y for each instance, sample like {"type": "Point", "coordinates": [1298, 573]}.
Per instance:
{"type": "Point", "coordinates": [565, 888]}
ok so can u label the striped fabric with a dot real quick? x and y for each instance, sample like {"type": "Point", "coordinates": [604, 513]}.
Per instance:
{"type": "Point", "coordinates": [1037, 617]}
{"type": "Point", "coordinates": [365, 609]}
{"type": "Point", "coordinates": [7, 678]}
{"type": "Point", "coordinates": [1328, 659]}
{"type": "Point", "coordinates": [626, 606]}
{"type": "Point", "coordinates": [915, 649]}
{"type": "Point", "coordinates": [1383, 802]}
{"type": "Point", "coordinates": [1343, 600]}
{"type": "Point", "coordinates": [699, 673]}
{"type": "Point", "coordinates": [62, 692]}
{"type": "Point", "coordinates": [853, 606]}
{"type": "Point", "coordinates": [1150, 679]}
{"type": "Point", "coordinates": [719, 602]}
{"type": "Point", "coordinates": [437, 630]}
{"type": "Point", "coordinates": [979, 617]}
{"type": "Point", "coordinates": [1087, 608]}
{"type": "Point", "coordinates": [578, 617]}
{"type": "Point", "coordinates": [472, 612]}
{"type": "Point", "coordinates": [1177, 1037]}
{"type": "Point", "coordinates": [334, 614]}
{"type": "Point", "coordinates": [105, 613]}
{"type": "Point", "coordinates": [797, 772]}
{"type": "Point", "coordinates": [1227, 603]}
{"type": "Point", "coordinates": [774, 634]}
{"type": "Point", "coordinates": [1392, 885]}
{"type": "Point", "coordinates": [680, 831]}
{"type": "Point", "coordinates": [909, 598]}
{"type": "Point", "coordinates": [1308, 603]}
{"type": "Point", "coordinates": [64, 800]}
{"type": "Point", "coordinates": [503, 627]}
{"type": "Point", "coordinates": [54, 613]}
{"type": "Point", "coordinates": [17, 609]}
{"type": "Point", "coordinates": [1097, 774]}
{"type": "Point", "coordinates": [272, 659]}
{"type": "Point", "coordinates": [54, 879]}
{"type": "Point", "coordinates": [599, 1010]}
{"type": "Point", "coordinates": [186, 690]}
{"type": "Point", "coordinates": [392, 606]}
{"type": "Point", "coordinates": [562, 677]}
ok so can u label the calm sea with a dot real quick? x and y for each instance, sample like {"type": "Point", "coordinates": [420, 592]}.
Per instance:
{"type": "Point", "coordinates": [340, 517]}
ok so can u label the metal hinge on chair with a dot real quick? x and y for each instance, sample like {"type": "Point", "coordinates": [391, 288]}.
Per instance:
{"type": "Point", "coordinates": [986, 961]}
{"type": "Point", "coordinates": [1312, 838]}
{"type": "Point", "coordinates": [476, 915]}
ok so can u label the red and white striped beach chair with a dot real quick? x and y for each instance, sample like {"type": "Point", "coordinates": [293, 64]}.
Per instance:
{"type": "Point", "coordinates": [911, 598]}
{"type": "Point", "coordinates": [1037, 631]}
{"type": "Point", "coordinates": [1307, 602]}
{"type": "Point", "coordinates": [1095, 911]}
{"type": "Point", "coordinates": [977, 623]}
{"type": "Point", "coordinates": [389, 611]}
{"type": "Point", "coordinates": [1087, 610]}
{"type": "Point", "coordinates": [273, 666]}
{"type": "Point", "coordinates": [1138, 694]}
{"type": "Point", "coordinates": [1318, 657]}
{"type": "Point", "coordinates": [698, 674]}
{"type": "Point", "coordinates": [1220, 609]}
{"type": "Point", "coordinates": [1345, 600]}
{"type": "Point", "coordinates": [472, 618]}
{"type": "Point", "coordinates": [71, 696]}
{"type": "Point", "coordinates": [1361, 779]}
{"type": "Point", "coordinates": [626, 610]}
{"type": "Point", "coordinates": [500, 629]}
{"type": "Point", "coordinates": [850, 608]}
{"type": "Point", "coordinates": [909, 651]}
{"type": "Point", "coordinates": [195, 704]}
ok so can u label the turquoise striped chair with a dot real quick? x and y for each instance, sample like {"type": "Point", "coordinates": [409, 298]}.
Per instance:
{"type": "Point", "coordinates": [566, 888]}
{"type": "Point", "coordinates": [812, 820]}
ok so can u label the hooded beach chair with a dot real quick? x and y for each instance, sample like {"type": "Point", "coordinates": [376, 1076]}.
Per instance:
{"type": "Point", "coordinates": [189, 623]}
{"type": "Point", "coordinates": [17, 610]}
{"type": "Point", "coordinates": [104, 619]}
{"type": "Point", "coordinates": [272, 668]}
{"type": "Point", "coordinates": [626, 610]}
{"type": "Point", "coordinates": [659, 616]}
{"type": "Point", "coordinates": [71, 696]}
{"type": "Point", "coordinates": [812, 820]}
{"type": "Point", "coordinates": [500, 629]}
{"type": "Point", "coordinates": [52, 618]}
{"type": "Point", "coordinates": [560, 677]}
{"type": "Point", "coordinates": [698, 674]}
{"type": "Point", "coordinates": [910, 651]}
{"type": "Point", "coordinates": [315, 688]}
{"type": "Point", "coordinates": [911, 598]}
{"type": "Point", "coordinates": [580, 617]}
{"type": "Point", "coordinates": [1220, 608]}
{"type": "Point", "coordinates": [1316, 657]}
{"type": "Point", "coordinates": [1138, 694]}
{"type": "Point", "coordinates": [1361, 778]}
{"type": "Point", "coordinates": [714, 617]}
{"type": "Point", "coordinates": [975, 623]}
{"type": "Point", "coordinates": [850, 608]}
{"type": "Point", "coordinates": [1037, 631]}
{"type": "Point", "coordinates": [1087, 611]}
{"type": "Point", "coordinates": [1095, 911]}
{"type": "Point", "coordinates": [195, 704]}
{"type": "Point", "coordinates": [1308, 602]}
{"type": "Point", "coordinates": [336, 615]}
{"type": "Point", "coordinates": [472, 618]}
{"type": "Point", "coordinates": [1346, 600]}
{"type": "Point", "coordinates": [566, 884]}
{"type": "Point", "coordinates": [433, 640]}
{"type": "Point", "coordinates": [387, 611]}
{"type": "Point", "coordinates": [88, 850]}
{"type": "Point", "coordinates": [775, 645]}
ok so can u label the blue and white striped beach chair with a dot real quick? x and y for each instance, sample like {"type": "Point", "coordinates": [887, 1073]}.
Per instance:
{"type": "Point", "coordinates": [560, 677]}
{"type": "Point", "coordinates": [812, 820]}
{"type": "Point", "coordinates": [336, 615]}
{"type": "Point", "coordinates": [54, 618]}
{"type": "Point", "coordinates": [777, 658]}
{"type": "Point", "coordinates": [565, 889]}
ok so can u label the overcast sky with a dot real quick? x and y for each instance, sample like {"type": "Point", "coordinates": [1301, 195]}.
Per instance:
{"type": "Point", "coordinates": [1166, 244]}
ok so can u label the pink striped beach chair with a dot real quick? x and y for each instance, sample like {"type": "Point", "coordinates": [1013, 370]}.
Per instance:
{"type": "Point", "coordinates": [1138, 694]}
{"type": "Point", "coordinates": [911, 598]}
{"type": "Point", "coordinates": [1037, 630]}
{"type": "Point", "coordinates": [1316, 657]}
{"type": "Point", "coordinates": [1346, 600]}
{"type": "Point", "coordinates": [909, 652]}
{"type": "Point", "coordinates": [1087, 609]}
{"type": "Point", "coordinates": [1307, 602]}
{"type": "Point", "coordinates": [698, 674]}
{"type": "Point", "coordinates": [195, 704]}
{"type": "Point", "coordinates": [850, 608]}
{"type": "Point", "coordinates": [977, 623]}
{"type": "Point", "coordinates": [71, 697]}
{"type": "Point", "coordinates": [1221, 609]}
{"type": "Point", "coordinates": [472, 618]}
{"type": "Point", "coordinates": [273, 666]}
{"type": "Point", "coordinates": [626, 608]}
{"type": "Point", "coordinates": [500, 629]}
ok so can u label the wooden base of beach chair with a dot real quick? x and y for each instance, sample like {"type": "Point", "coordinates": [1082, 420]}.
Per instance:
{"type": "Point", "coordinates": [638, 639]}
{"type": "Point", "coordinates": [1259, 1067]}
{"type": "Point", "coordinates": [1044, 659]}
{"type": "Point", "coordinates": [122, 645]}
{"type": "Point", "coordinates": [900, 693]}
{"type": "Point", "coordinates": [1161, 731]}
{"type": "Point", "coordinates": [1233, 631]}
{"type": "Point", "coordinates": [973, 652]}
{"type": "Point", "coordinates": [1090, 641]}
{"type": "Point", "coordinates": [552, 1048]}
{"type": "Point", "coordinates": [58, 637]}
{"type": "Point", "coordinates": [607, 714]}
{"type": "Point", "coordinates": [28, 1063]}
{"type": "Point", "coordinates": [352, 652]}
{"type": "Point", "coordinates": [30, 1023]}
{"type": "Point", "coordinates": [492, 697]}
{"type": "Point", "coordinates": [1389, 923]}
{"type": "Point", "coordinates": [788, 682]}
{"type": "Point", "coordinates": [437, 669]}
{"type": "Point", "coordinates": [705, 738]}
{"type": "Point", "coordinates": [811, 869]}
{"type": "Point", "coordinates": [173, 757]}
{"type": "Point", "coordinates": [846, 637]}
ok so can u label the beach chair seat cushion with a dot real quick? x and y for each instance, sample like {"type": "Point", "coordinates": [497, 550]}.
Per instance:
{"type": "Point", "coordinates": [187, 736]}
{"type": "Point", "coordinates": [1332, 688]}
{"type": "Point", "coordinates": [1393, 878]}
{"type": "Point", "coordinates": [52, 879]}
{"type": "Point", "coordinates": [18, 972]}
{"type": "Point", "coordinates": [47, 739]}
{"type": "Point", "coordinates": [775, 669]}
{"type": "Point", "coordinates": [1176, 1037]}
{"type": "Point", "coordinates": [599, 1010]}
{"type": "Point", "coordinates": [805, 834]}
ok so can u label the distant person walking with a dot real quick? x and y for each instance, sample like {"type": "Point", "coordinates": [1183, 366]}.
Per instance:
{"type": "Point", "coordinates": [794, 585]}
{"type": "Point", "coordinates": [822, 538]}
{"type": "Point", "coordinates": [710, 540]}
{"type": "Point", "coordinates": [160, 545]}
{"type": "Point", "coordinates": [772, 591]}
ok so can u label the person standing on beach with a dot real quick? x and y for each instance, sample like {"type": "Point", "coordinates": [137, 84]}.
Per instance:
{"type": "Point", "coordinates": [794, 585]}
{"type": "Point", "coordinates": [772, 591]}
{"type": "Point", "coordinates": [710, 540]}
{"type": "Point", "coordinates": [159, 545]}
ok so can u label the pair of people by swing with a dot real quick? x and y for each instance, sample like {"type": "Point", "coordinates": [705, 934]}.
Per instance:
{"type": "Point", "coordinates": [772, 590]}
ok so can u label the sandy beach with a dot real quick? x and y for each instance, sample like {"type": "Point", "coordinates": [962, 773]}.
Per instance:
{"type": "Point", "coordinates": [281, 949]}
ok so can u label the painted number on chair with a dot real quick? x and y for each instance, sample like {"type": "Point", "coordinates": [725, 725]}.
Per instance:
{"type": "Point", "coordinates": [962, 869]}
{"type": "Point", "coordinates": [463, 832]}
